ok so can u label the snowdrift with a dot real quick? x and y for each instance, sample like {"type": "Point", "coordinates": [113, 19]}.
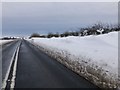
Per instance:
{"type": "Point", "coordinates": [5, 41]}
{"type": "Point", "coordinates": [94, 57]}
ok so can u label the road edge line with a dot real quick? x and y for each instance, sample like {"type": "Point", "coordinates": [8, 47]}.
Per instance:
{"type": "Point", "coordinates": [4, 84]}
{"type": "Point", "coordinates": [8, 71]}
{"type": "Point", "coordinates": [12, 85]}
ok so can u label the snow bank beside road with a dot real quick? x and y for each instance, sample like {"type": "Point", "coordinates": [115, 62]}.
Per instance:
{"type": "Point", "coordinates": [97, 54]}
{"type": "Point", "coordinates": [5, 41]}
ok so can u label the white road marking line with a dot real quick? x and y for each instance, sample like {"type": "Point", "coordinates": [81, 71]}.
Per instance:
{"type": "Point", "coordinates": [14, 69]}
{"type": "Point", "coordinates": [9, 68]}
{"type": "Point", "coordinates": [8, 71]}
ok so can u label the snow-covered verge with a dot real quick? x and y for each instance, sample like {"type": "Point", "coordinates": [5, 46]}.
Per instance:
{"type": "Point", "coordinates": [5, 41]}
{"type": "Point", "coordinates": [93, 57]}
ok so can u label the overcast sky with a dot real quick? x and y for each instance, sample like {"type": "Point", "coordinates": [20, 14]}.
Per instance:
{"type": "Point", "coordinates": [21, 19]}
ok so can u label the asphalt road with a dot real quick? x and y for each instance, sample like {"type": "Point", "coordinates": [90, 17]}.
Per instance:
{"type": "Point", "coordinates": [35, 69]}
{"type": "Point", "coordinates": [7, 53]}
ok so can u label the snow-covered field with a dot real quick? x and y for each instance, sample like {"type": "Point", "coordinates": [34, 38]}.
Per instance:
{"type": "Point", "coordinates": [98, 52]}
{"type": "Point", "coordinates": [4, 41]}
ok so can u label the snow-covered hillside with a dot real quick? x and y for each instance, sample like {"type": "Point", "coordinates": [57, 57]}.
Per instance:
{"type": "Point", "coordinates": [99, 51]}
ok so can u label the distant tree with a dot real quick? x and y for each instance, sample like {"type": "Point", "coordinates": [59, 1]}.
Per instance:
{"type": "Point", "coordinates": [118, 27]}
{"type": "Point", "coordinates": [74, 33]}
{"type": "Point", "coordinates": [106, 30]}
{"type": "Point", "coordinates": [56, 35]}
{"type": "Point", "coordinates": [42, 36]}
{"type": "Point", "coordinates": [34, 35]}
{"type": "Point", "coordinates": [5, 38]}
{"type": "Point", "coordinates": [66, 34]}
{"type": "Point", "coordinates": [62, 35]}
{"type": "Point", "coordinates": [50, 35]}
{"type": "Point", "coordinates": [95, 29]}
